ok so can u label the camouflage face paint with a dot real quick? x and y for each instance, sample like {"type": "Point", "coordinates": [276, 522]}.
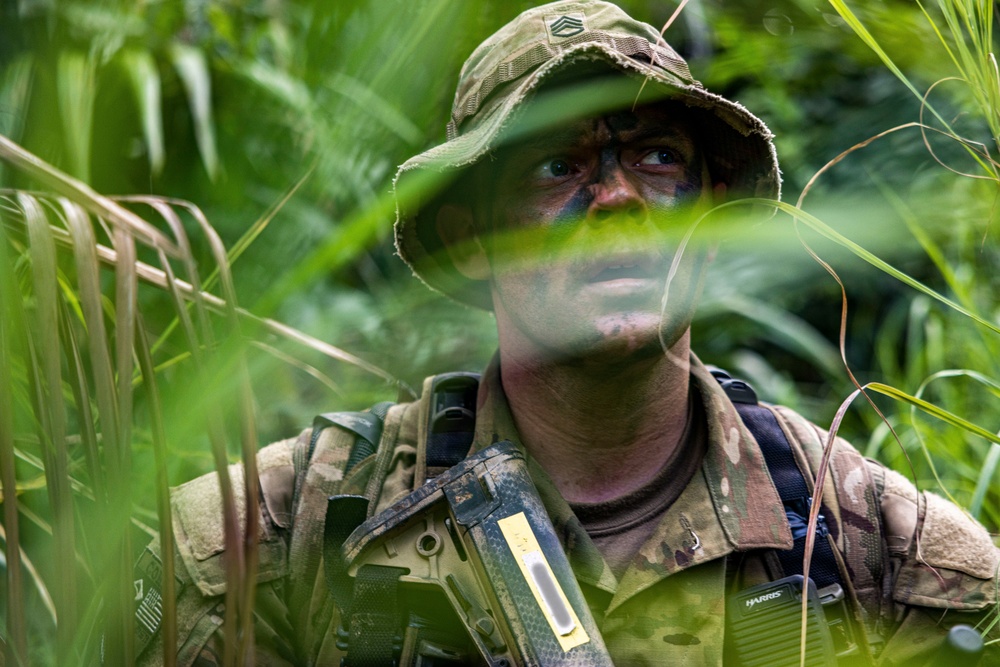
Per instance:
{"type": "Point", "coordinates": [575, 209]}
{"type": "Point", "coordinates": [623, 121]}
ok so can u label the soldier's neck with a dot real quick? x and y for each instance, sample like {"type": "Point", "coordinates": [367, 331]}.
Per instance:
{"type": "Point", "coordinates": [599, 431]}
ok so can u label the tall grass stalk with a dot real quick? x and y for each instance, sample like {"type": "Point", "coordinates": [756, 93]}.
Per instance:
{"type": "Point", "coordinates": [76, 359]}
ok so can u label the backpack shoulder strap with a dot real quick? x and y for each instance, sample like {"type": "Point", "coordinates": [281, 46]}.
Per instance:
{"type": "Point", "coordinates": [855, 521]}
{"type": "Point", "coordinates": [792, 448]}
{"type": "Point", "coordinates": [337, 443]}
{"type": "Point", "coordinates": [789, 481]}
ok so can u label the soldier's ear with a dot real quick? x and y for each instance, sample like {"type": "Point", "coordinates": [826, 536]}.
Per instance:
{"type": "Point", "coordinates": [457, 230]}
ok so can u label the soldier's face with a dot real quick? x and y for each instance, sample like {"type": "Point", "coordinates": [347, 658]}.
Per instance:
{"type": "Point", "coordinates": [582, 225]}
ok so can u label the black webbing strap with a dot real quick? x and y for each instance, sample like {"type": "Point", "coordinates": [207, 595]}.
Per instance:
{"type": "Point", "coordinates": [789, 481]}
{"type": "Point", "coordinates": [375, 620]}
{"type": "Point", "coordinates": [371, 620]}
{"type": "Point", "coordinates": [344, 513]}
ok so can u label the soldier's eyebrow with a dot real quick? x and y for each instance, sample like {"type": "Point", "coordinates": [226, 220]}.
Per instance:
{"type": "Point", "coordinates": [567, 138]}
{"type": "Point", "coordinates": [556, 140]}
{"type": "Point", "coordinates": [655, 132]}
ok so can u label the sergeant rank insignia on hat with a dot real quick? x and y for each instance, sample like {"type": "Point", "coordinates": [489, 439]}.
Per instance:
{"type": "Point", "coordinates": [564, 26]}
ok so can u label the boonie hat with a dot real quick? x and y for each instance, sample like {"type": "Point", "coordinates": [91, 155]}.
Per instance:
{"type": "Point", "coordinates": [510, 66]}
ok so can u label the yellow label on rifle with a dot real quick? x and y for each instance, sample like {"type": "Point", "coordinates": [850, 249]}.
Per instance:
{"type": "Point", "coordinates": [542, 582]}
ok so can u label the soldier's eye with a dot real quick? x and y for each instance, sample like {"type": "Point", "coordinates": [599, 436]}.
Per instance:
{"type": "Point", "coordinates": [659, 156]}
{"type": "Point", "coordinates": [559, 167]}
{"type": "Point", "coordinates": [556, 168]}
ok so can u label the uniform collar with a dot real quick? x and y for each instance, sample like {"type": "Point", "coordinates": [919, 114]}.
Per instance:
{"type": "Point", "coordinates": [745, 500]}
{"type": "Point", "coordinates": [731, 505]}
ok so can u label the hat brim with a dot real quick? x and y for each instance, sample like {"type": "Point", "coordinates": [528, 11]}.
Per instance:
{"type": "Point", "coordinates": [738, 148]}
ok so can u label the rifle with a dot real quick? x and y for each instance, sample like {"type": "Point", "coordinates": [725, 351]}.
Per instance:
{"type": "Point", "coordinates": [473, 547]}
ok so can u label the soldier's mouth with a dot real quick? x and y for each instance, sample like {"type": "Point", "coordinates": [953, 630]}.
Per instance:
{"type": "Point", "coordinates": [620, 273]}
{"type": "Point", "coordinates": [622, 268]}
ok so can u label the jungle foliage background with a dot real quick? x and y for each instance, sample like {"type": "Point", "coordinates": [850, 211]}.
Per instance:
{"type": "Point", "coordinates": [283, 123]}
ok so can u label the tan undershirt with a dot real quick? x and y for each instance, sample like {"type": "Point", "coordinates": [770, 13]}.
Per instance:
{"type": "Point", "coordinates": [619, 527]}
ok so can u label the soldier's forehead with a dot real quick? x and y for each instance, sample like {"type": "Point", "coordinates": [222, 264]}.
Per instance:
{"type": "Point", "coordinates": [665, 120]}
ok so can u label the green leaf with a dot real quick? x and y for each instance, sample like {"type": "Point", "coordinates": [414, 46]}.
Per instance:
{"type": "Point", "coordinates": [792, 331]}
{"type": "Point", "coordinates": [986, 475]}
{"type": "Point", "coordinates": [145, 79]}
{"type": "Point", "coordinates": [375, 105]}
{"type": "Point", "coordinates": [76, 90]}
{"type": "Point", "coordinates": [15, 86]}
{"type": "Point", "coordinates": [192, 68]}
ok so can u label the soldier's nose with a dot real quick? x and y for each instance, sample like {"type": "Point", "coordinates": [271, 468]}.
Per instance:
{"type": "Point", "coordinates": [615, 196]}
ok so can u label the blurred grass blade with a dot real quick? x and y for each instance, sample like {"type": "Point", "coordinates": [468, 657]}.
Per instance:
{"type": "Point", "coordinates": [292, 92]}
{"type": "Point", "coordinates": [248, 440]}
{"type": "Point", "coordinates": [36, 578]}
{"type": "Point", "coordinates": [823, 229]}
{"type": "Point", "coordinates": [159, 438]}
{"type": "Point", "coordinates": [120, 458]}
{"type": "Point", "coordinates": [235, 567]}
{"type": "Point", "coordinates": [15, 87]}
{"type": "Point", "coordinates": [794, 332]}
{"type": "Point", "coordinates": [983, 484]}
{"type": "Point", "coordinates": [16, 649]}
{"type": "Point", "coordinates": [933, 410]}
{"type": "Point", "coordinates": [85, 417]}
{"type": "Point", "coordinates": [89, 287]}
{"type": "Point", "coordinates": [192, 68]}
{"type": "Point", "coordinates": [171, 284]}
{"type": "Point", "coordinates": [376, 107]}
{"type": "Point", "coordinates": [117, 618]}
{"type": "Point", "coordinates": [214, 422]}
{"type": "Point", "coordinates": [76, 89]}
{"type": "Point", "coordinates": [53, 422]}
{"type": "Point", "coordinates": [146, 86]}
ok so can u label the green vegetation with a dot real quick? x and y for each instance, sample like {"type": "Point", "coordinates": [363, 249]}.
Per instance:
{"type": "Point", "coordinates": [146, 340]}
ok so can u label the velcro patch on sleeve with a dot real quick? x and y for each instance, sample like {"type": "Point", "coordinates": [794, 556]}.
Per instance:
{"type": "Point", "coordinates": [954, 563]}
{"type": "Point", "coordinates": [954, 540]}
{"type": "Point", "coordinates": [199, 528]}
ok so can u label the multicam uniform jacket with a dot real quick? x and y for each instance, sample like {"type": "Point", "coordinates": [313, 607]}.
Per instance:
{"type": "Point", "coordinates": [914, 564]}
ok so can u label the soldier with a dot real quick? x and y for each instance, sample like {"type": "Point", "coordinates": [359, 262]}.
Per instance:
{"type": "Point", "coordinates": [669, 490]}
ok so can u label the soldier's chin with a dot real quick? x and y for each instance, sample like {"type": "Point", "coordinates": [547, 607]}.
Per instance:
{"type": "Point", "coordinates": [617, 341]}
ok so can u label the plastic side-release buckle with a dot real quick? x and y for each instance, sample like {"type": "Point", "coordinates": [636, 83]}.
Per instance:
{"type": "Point", "coordinates": [738, 391]}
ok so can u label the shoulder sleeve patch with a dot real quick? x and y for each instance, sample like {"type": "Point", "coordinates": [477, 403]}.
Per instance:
{"type": "Point", "coordinates": [952, 565]}
{"type": "Point", "coordinates": [954, 540]}
{"type": "Point", "coordinates": [198, 526]}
